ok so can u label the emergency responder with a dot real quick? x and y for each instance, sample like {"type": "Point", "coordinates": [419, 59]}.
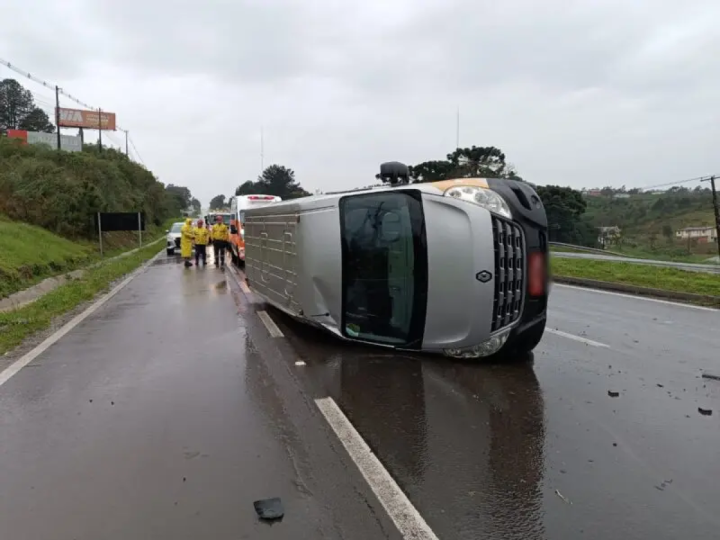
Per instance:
{"type": "Point", "coordinates": [202, 237]}
{"type": "Point", "coordinates": [186, 241]}
{"type": "Point", "coordinates": [220, 238]}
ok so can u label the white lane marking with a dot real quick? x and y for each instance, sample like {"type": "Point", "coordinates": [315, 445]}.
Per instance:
{"type": "Point", "coordinates": [300, 363]}
{"type": "Point", "coordinates": [635, 297]}
{"type": "Point", "coordinates": [402, 512]}
{"type": "Point", "coordinates": [576, 338]}
{"type": "Point", "coordinates": [272, 328]}
{"type": "Point", "coordinates": [16, 366]}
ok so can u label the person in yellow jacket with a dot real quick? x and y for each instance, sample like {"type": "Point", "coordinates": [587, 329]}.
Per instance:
{"type": "Point", "coordinates": [186, 242]}
{"type": "Point", "coordinates": [202, 238]}
{"type": "Point", "coordinates": [220, 237]}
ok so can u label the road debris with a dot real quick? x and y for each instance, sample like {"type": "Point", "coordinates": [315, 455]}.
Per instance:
{"type": "Point", "coordinates": [711, 376]}
{"type": "Point", "coordinates": [269, 509]}
{"type": "Point", "coordinates": [705, 412]}
{"type": "Point", "coordinates": [565, 499]}
{"type": "Point", "coordinates": [613, 394]}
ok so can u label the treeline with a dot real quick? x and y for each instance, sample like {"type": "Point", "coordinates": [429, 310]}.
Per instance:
{"type": "Point", "coordinates": [565, 206]}
{"type": "Point", "coordinates": [677, 207]}
{"type": "Point", "coordinates": [62, 191]}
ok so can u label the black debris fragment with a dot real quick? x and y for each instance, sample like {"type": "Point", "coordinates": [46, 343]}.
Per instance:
{"type": "Point", "coordinates": [712, 376]}
{"type": "Point", "coordinates": [705, 412]}
{"type": "Point", "coordinates": [613, 394]}
{"type": "Point", "coordinates": [660, 385]}
{"type": "Point", "coordinates": [269, 509]}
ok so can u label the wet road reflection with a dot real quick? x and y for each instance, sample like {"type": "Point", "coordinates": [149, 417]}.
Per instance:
{"type": "Point", "coordinates": [465, 442]}
{"type": "Point", "coordinates": [539, 448]}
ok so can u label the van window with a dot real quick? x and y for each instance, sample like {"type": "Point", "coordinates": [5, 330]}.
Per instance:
{"type": "Point", "coordinates": [384, 261]}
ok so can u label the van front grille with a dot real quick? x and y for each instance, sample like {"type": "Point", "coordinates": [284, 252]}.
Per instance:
{"type": "Point", "coordinates": [509, 247]}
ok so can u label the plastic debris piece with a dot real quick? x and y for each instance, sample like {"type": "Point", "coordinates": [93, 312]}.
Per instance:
{"type": "Point", "coordinates": [705, 412]}
{"type": "Point", "coordinates": [712, 376]}
{"type": "Point", "coordinates": [269, 508]}
{"type": "Point", "coordinates": [613, 394]}
{"type": "Point", "coordinates": [565, 499]}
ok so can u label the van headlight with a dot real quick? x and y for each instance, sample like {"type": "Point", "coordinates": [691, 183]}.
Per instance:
{"type": "Point", "coordinates": [484, 349]}
{"type": "Point", "coordinates": [484, 197]}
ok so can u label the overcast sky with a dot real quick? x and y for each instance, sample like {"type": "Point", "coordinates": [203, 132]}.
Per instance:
{"type": "Point", "coordinates": [580, 93]}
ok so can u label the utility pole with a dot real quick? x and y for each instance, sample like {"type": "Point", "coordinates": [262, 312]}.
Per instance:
{"type": "Point", "coordinates": [262, 150]}
{"type": "Point", "coordinates": [100, 129]}
{"type": "Point", "coordinates": [457, 129]}
{"type": "Point", "coordinates": [57, 116]}
{"type": "Point", "coordinates": [717, 211]}
{"type": "Point", "coordinates": [127, 149]}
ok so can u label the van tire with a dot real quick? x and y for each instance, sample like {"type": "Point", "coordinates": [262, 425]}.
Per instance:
{"type": "Point", "coordinates": [170, 252]}
{"type": "Point", "coordinates": [528, 340]}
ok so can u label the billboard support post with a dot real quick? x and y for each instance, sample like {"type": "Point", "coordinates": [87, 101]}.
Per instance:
{"type": "Point", "coordinates": [100, 233]}
{"type": "Point", "coordinates": [140, 228]}
{"type": "Point", "coordinates": [100, 129]}
{"type": "Point", "coordinates": [82, 136]}
{"type": "Point", "coordinates": [57, 116]}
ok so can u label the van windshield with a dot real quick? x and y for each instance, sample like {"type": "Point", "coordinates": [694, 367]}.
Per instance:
{"type": "Point", "coordinates": [384, 267]}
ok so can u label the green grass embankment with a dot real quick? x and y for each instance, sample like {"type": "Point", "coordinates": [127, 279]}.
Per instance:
{"type": "Point", "coordinates": [641, 275]}
{"type": "Point", "coordinates": [29, 254]}
{"type": "Point", "coordinates": [15, 326]}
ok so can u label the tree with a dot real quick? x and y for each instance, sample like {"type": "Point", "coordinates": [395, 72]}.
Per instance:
{"type": "Point", "coordinates": [179, 199]}
{"type": "Point", "coordinates": [473, 162]}
{"type": "Point", "coordinates": [218, 202]}
{"type": "Point", "coordinates": [564, 207]}
{"type": "Point", "coordinates": [195, 205]}
{"type": "Point", "coordinates": [431, 171]}
{"type": "Point", "coordinates": [37, 120]}
{"type": "Point", "coordinates": [18, 110]}
{"type": "Point", "coordinates": [667, 233]}
{"type": "Point", "coordinates": [275, 180]}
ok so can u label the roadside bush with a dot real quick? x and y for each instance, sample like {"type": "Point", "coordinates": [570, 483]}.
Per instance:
{"type": "Point", "coordinates": [62, 191]}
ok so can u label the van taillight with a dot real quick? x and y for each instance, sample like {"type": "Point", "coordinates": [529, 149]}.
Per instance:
{"type": "Point", "coordinates": [536, 274]}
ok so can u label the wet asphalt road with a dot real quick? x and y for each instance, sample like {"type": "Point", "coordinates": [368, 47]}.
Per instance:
{"type": "Point", "coordinates": [171, 409]}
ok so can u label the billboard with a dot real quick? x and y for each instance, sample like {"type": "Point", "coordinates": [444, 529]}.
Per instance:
{"type": "Point", "coordinates": [120, 221]}
{"type": "Point", "coordinates": [79, 118]}
{"type": "Point", "coordinates": [68, 143]}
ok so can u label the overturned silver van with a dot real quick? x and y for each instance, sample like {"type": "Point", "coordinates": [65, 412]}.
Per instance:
{"type": "Point", "coordinates": [456, 267]}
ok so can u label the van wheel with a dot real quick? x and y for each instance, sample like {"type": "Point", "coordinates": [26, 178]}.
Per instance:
{"type": "Point", "coordinates": [528, 340]}
{"type": "Point", "coordinates": [170, 252]}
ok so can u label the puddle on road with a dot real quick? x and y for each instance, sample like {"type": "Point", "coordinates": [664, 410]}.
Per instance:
{"type": "Point", "coordinates": [162, 261]}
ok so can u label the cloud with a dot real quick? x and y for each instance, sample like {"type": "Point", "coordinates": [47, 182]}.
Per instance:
{"type": "Point", "coordinates": [581, 93]}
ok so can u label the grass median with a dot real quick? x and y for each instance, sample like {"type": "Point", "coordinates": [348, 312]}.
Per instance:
{"type": "Point", "coordinates": [641, 275]}
{"type": "Point", "coordinates": [29, 254]}
{"type": "Point", "coordinates": [15, 326]}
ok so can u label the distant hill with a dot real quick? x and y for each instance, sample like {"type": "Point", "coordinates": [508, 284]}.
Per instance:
{"type": "Point", "coordinates": [645, 213]}
{"type": "Point", "coordinates": [649, 221]}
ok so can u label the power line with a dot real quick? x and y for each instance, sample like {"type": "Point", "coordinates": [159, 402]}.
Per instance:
{"type": "Point", "coordinates": [696, 179]}
{"type": "Point", "coordinates": [72, 98]}
{"type": "Point", "coordinates": [135, 150]}
{"type": "Point", "coordinates": [49, 86]}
